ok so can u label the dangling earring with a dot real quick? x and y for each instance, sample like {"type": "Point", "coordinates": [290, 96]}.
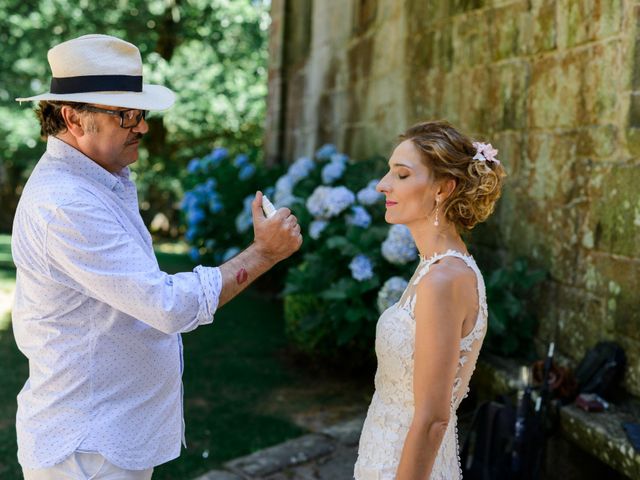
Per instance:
{"type": "Point", "coordinates": [436, 222]}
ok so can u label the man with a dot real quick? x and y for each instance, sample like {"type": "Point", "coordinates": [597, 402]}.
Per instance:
{"type": "Point", "coordinates": [95, 316]}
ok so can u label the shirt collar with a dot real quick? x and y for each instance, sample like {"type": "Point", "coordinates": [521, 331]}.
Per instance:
{"type": "Point", "coordinates": [84, 166]}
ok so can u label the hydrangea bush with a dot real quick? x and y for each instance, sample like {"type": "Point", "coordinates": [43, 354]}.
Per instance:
{"type": "Point", "coordinates": [351, 265]}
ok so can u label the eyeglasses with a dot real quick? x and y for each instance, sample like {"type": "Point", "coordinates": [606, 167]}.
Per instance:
{"type": "Point", "coordinates": [128, 118]}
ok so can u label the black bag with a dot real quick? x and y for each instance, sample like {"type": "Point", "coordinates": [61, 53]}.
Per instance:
{"type": "Point", "coordinates": [486, 453]}
{"type": "Point", "coordinates": [601, 369]}
{"type": "Point", "coordinates": [490, 449]}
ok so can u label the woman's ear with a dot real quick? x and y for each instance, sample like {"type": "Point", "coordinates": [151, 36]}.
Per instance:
{"type": "Point", "coordinates": [72, 120]}
{"type": "Point", "coordinates": [446, 188]}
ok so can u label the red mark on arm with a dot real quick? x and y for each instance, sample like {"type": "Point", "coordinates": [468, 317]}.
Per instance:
{"type": "Point", "coordinates": [242, 276]}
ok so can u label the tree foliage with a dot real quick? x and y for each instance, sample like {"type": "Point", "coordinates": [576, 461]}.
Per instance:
{"type": "Point", "coordinates": [212, 53]}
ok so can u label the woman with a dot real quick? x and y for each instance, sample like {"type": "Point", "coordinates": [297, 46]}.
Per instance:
{"type": "Point", "coordinates": [439, 184]}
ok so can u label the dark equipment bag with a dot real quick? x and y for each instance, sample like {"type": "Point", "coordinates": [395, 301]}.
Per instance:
{"type": "Point", "coordinates": [486, 453]}
{"type": "Point", "coordinates": [601, 369]}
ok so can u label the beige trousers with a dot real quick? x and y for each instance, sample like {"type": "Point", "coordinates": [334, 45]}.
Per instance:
{"type": "Point", "coordinates": [86, 466]}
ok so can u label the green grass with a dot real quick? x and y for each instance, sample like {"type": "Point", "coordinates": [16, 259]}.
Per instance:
{"type": "Point", "coordinates": [5, 252]}
{"type": "Point", "coordinates": [233, 369]}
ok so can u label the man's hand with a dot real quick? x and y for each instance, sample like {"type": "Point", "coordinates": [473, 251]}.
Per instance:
{"type": "Point", "coordinates": [277, 237]}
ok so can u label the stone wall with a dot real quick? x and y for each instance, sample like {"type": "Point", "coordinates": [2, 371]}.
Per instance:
{"type": "Point", "coordinates": [554, 85]}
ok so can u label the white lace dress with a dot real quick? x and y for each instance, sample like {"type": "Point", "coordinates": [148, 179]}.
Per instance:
{"type": "Point", "coordinates": [391, 410]}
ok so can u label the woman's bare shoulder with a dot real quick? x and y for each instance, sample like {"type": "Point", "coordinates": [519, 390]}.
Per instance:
{"type": "Point", "coordinates": [449, 275]}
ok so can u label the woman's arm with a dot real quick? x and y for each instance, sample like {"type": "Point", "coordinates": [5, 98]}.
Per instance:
{"type": "Point", "coordinates": [439, 312]}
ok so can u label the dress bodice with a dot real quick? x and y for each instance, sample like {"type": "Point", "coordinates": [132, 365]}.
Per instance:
{"type": "Point", "coordinates": [392, 406]}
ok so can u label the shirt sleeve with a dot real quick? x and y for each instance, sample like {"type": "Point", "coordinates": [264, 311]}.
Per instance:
{"type": "Point", "coordinates": [89, 250]}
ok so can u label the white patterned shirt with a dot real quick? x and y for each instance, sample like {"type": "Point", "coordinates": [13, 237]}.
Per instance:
{"type": "Point", "coordinates": [98, 320]}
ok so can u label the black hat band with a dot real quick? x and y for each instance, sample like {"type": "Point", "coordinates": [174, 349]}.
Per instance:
{"type": "Point", "coordinates": [96, 83]}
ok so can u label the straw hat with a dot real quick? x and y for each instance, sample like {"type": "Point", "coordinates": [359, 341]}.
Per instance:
{"type": "Point", "coordinates": [104, 70]}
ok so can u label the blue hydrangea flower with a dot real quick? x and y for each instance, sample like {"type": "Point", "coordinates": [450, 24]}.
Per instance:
{"type": "Point", "coordinates": [300, 169]}
{"type": "Point", "coordinates": [244, 220]}
{"type": "Point", "coordinates": [339, 158]}
{"type": "Point", "coordinates": [325, 151]}
{"type": "Point", "coordinates": [194, 254]}
{"type": "Point", "coordinates": [283, 192]}
{"type": "Point", "coordinates": [218, 154]}
{"type": "Point", "coordinates": [316, 228]}
{"type": "Point", "coordinates": [361, 268]}
{"type": "Point", "coordinates": [210, 185]}
{"type": "Point", "coordinates": [399, 247]}
{"type": "Point", "coordinates": [240, 160]}
{"type": "Point", "coordinates": [214, 158]}
{"type": "Point", "coordinates": [332, 171]}
{"type": "Point", "coordinates": [289, 201]}
{"type": "Point", "coordinates": [246, 172]}
{"type": "Point", "coordinates": [195, 216]}
{"type": "Point", "coordinates": [230, 253]}
{"type": "Point", "coordinates": [390, 292]}
{"type": "Point", "coordinates": [190, 234]}
{"type": "Point", "coordinates": [193, 166]}
{"type": "Point", "coordinates": [326, 202]}
{"type": "Point", "coordinates": [215, 204]}
{"type": "Point", "coordinates": [359, 217]}
{"type": "Point", "coordinates": [209, 244]}
{"type": "Point", "coordinates": [189, 201]}
{"type": "Point", "coordinates": [368, 195]}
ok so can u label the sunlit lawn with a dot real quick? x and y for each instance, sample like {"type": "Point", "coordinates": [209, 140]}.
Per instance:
{"type": "Point", "coordinates": [232, 374]}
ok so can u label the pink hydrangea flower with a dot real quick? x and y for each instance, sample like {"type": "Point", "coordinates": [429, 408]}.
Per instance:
{"type": "Point", "coordinates": [485, 152]}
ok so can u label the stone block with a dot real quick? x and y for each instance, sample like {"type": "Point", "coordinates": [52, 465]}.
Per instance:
{"type": "Point", "coordinates": [635, 65]}
{"type": "Point", "coordinates": [332, 23]}
{"type": "Point", "coordinates": [616, 215]}
{"type": "Point", "coordinates": [508, 28]}
{"type": "Point", "coordinates": [511, 148]}
{"type": "Point", "coordinates": [634, 111]}
{"type": "Point", "coordinates": [347, 433]}
{"type": "Point", "coordinates": [580, 317]}
{"type": "Point", "coordinates": [543, 26]}
{"type": "Point", "coordinates": [360, 57]}
{"type": "Point", "coordinates": [507, 95]}
{"type": "Point", "coordinates": [555, 92]}
{"type": "Point", "coordinates": [577, 87]}
{"type": "Point", "coordinates": [473, 109]}
{"type": "Point", "coordinates": [336, 466]}
{"type": "Point", "coordinates": [287, 454]}
{"type": "Point", "coordinates": [390, 41]}
{"type": "Point", "coordinates": [461, 6]}
{"type": "Point", "coordinates": [430, 48]}
{"type": "Point", "coordinates": [581, 21]}
{"type": "Point", "coordinates": [599, 142]}
{"type": "Point", "coordinates": [365, 13]}
{"type": "Point", "coordinates": [423, 14]}
{"type": "Point", "coordinates": [551, 167]}
{"type": "Point", "coordinates": [617, 281]}
{"type": "Point", "coordinates": [471, 39]}
{"type": "Point", "coordinates": [600, 86]}
{"type": "Point", "coordinates": [297, 43]}
{"type": "Point", "coordinates": [603, 436]}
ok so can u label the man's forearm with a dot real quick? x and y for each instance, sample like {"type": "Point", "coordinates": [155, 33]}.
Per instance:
{"type": "Point", "coordinates": [239, 272]}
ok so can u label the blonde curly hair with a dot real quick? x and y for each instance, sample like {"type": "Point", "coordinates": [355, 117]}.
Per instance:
{"type": "Point", "coordinates": [449, 154]}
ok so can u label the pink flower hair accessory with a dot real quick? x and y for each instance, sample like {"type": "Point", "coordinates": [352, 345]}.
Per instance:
{"type": "Point", "coordinates": [485, 153]}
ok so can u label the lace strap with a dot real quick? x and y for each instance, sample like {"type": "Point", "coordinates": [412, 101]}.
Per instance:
{"type": "Point", "coordinates": [425, 263]}
{"type": "Point", "coordinates": [423, 269]}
